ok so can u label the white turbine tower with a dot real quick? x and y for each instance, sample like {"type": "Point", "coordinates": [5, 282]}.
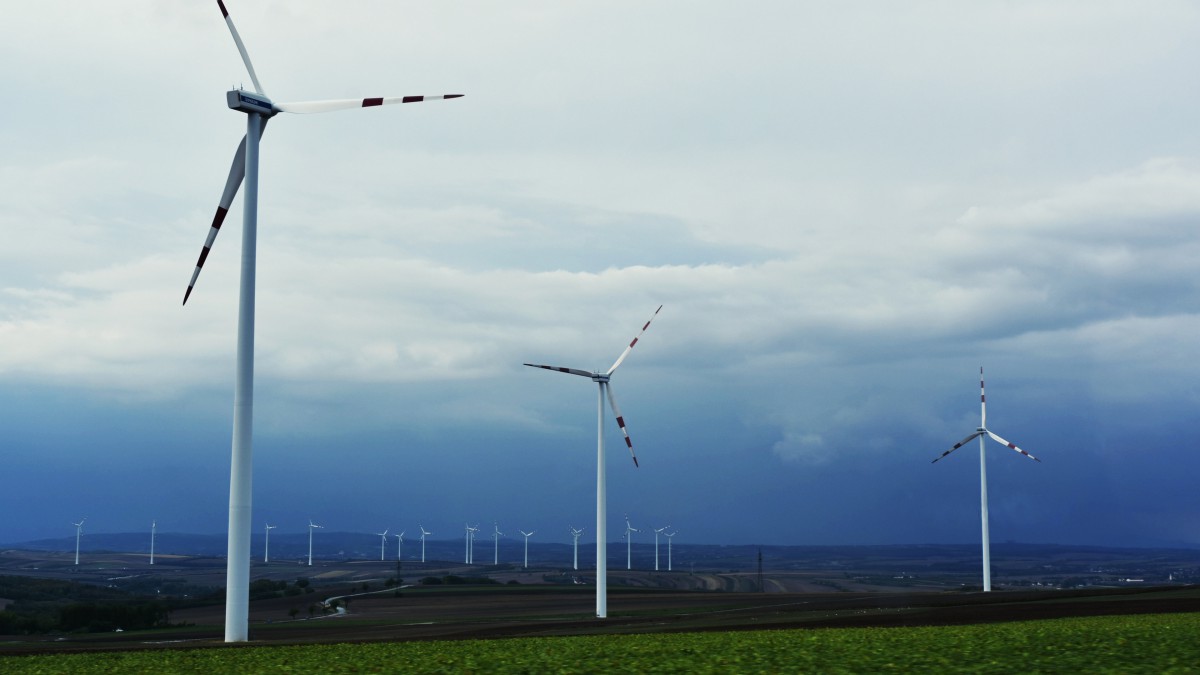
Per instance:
{"type": "Point", "coordinates": [267, 542]}
{"type": "Point", "coordinates": [311, 526]}
{"type": "Point", "coordinates": [657, 531]}
{"type": "Point", "coordinates": [258, 108]}
{"type": "Point", "coordinates": [981, 432]}
{"type": "Point", "coordinates": [575, 535]}
{"type": "Point", "coordinates": [153, 527]}
{"type": "Point", "coordinates": [602, 379]}
{"type": "Point", "coordinates": [466, 543]}
{"type": "Point", "coordinates": [423, 534]}
{"type": "Point", "coordinates": [629, 530]}
{"type": "Point", "coordinates": [399, 546]}
{"type": "Point", "coordinates": [78, 532]}
{"type": "Point", "coordinates": [669, 535]}
{"type": "Point", "coordinates": [471, 544]}
{"type": "Point", "coordinates": [382, 543]}
{"type": "Point", "coordinates": [527, 535]}
{"type": "Point", "coordinates": [496, 534]}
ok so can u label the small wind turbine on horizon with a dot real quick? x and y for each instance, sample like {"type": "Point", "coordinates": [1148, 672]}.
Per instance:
{"type": "Point", "coordinates": [258, 109]}
{"type": "Point", "coordinates": [311, 526]}
{"type": "Point", "coordinates": [382, 544]}
{"type": "Point", "coordinates": [78, 533]}
{"type": "Point", "coordinates": [496, 534]}
{"type": "Point", "coordinates": [527, 535]}
{"type": "Point", "coordinates": [669, 536]}
{"type": "Point", "coordinates": [153, 527]}
{"type": "Point", "coordinates": [981, 432]}
{"type": "Point", "coordinates": [629, 530]}
{"type": "Point", "coordinates": [602, 380]}
{"type": "Point", "coordinates": [657, 531]}
{"type": "Point", "coordinates": [267, 542]}
{"type": "Point", "coordinates": [399, 546]}
{"type": "Point", "coordinates": [575, 535]}
{"type": "Point", "coordinates": [423, 534]}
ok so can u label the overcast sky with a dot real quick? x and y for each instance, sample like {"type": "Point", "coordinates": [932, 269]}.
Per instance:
{"type": "Point", "coordinates": [846, 210]}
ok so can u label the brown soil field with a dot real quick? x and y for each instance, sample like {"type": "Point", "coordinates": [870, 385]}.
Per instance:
{"type": "Point", "coordinates": [493, 613]}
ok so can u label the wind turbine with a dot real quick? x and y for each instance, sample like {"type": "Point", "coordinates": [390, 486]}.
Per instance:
{"type": "Point", "coordinates": [496, 543]}
{"type": "Point", "coordinates": [382, 543]}
{"type": "Point", "coordinates": [259, 109]}
{"type": "Point", "coordinates": [527, 535]}
{"type": "Point", "coordinates": [423, 533]}
{"type": "Point", "coordinates": [153, 527]}
{"type": "Point", "coordinates": [311, 526]}
{"type": "Point", "coordinates": [602, 380]}
{"type": "Point", "coordinates": [78, 532]}
{"type": "Point", "coordinates": [656, 533]}
{"type": "Point", "coordinates": [629, 529]}
{"type": "Point", "coordinates": [981, 432]}
{"type": "Point", "coordinates": [267, 542]}
{"type": "Point", "coordinates": [669, 535]}
{"type": "Point", "coordinates": [471, 544]}
{"type": "Point", "coordinates": [399, 546]}
{"type": "Point", "coordinates": [575, 535]}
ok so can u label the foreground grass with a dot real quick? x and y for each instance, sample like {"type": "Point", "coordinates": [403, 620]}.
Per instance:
{"type": "Point", "coordinates": [1159, 643]}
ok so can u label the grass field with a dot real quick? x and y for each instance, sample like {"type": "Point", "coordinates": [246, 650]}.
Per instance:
{"type": "Point", "coordinates": [1157, 643]}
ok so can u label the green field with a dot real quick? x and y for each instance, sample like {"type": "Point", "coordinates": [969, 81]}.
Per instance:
{"type": "Point", "coordinates": [1158, 643]}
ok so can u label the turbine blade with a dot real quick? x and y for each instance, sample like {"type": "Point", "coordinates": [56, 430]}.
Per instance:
{"type": "Point", "coordinates": [241, 48]}
{"type": "Point", "coordinates": [612, 401]}
{"type": "Point", "coordinates": [958, 445]}
{"type": "Point", "coordinates": [305, 107]}
{"type": "Point", "coordinates": [237, 172]}
{"type": "Point", "coordinates": [573, 371]}
{"type": "Point", "coordinates": [1014, 447]}
{"type": "Point", "coordinates": [631, 344]}
{"type": "Point", "coordinates": [982, 400]}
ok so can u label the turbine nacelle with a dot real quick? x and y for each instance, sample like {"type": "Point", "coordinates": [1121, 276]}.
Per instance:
{"type": "Point", "coordinates": [249, 102]}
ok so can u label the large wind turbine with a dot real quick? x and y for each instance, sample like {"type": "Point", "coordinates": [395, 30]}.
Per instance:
{"type": "Point", "coordinates": [311, 526]}
{"type": "Point", "coordinates": [382, 543]}
{"type": "Point", "coordinates": [496, 534]}
{"type": "Point", "coordinates": [629, 530]}
{"type": "Point", "coordinates": [602, 379]}
{"type": "Point", "coordinates": [575, 535]}
{"type": "Point", "coordinates": [657, 531]}
{"type": "Point", "coordinates": [153, 527]}
{"type": "Point", "coordinates": [78, 533]}
{"type": "Point", "coordinates": [267, 542]}
{"type": "Point", "coordinates": [399, 546]}
{"type": "Point", "coordinates": [981, 432]}
{"type": "Point", "coordinates": [258, 108]}
{"type": "Point", "coordinates": [527, 535]}
{"type": "Point", "coordinates": [423, 533]}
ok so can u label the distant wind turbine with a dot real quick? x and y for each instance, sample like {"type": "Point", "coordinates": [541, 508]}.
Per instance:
{"type": "Point", "coordinates": [669, 535]}
{"type": "Point", "coordinates": [311, 526]}
{"type": "Point", "coordinates": [527, 535]}
{"type": "Point", "coordinates": [382, 543]}
{"type": "Point", "coordinates": [575, 535]}
{"type": "Point", "coordinates": [629, 530]}
{"type": "Point", "coordinates": [602, 380]}
{"type": "Point", "coordinates": [423, 534]}
{"type": "Point", "coordinates": [153, 527]}
{"type": "Point", "coordinates": [78, 533]}
{"type": "Point", "coordinates": [657, 531]}
{"type": "Point", "coordinates": [471, 535]}
{"type": "Point", "coordinates": [259, 109]}
{"type": "Point", "coordinates": [981, 432]}
{"type": "Point", "coordinates": [267, 542]}
{"type": "Point", "coordinates": [496, 543]}
{"type": "Point", "coordinates": [399, 546]}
